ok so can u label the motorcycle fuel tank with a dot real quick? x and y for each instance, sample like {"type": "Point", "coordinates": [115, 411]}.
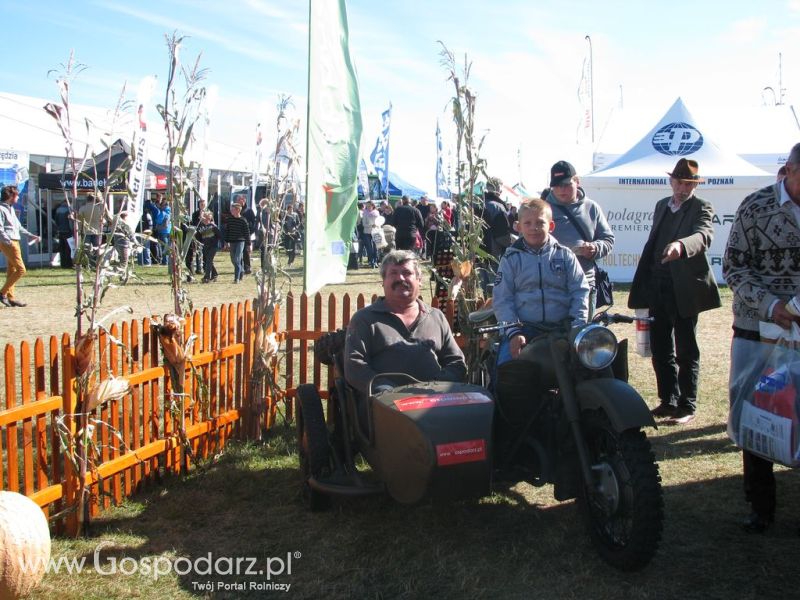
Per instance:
{"type": "Point", "coordinates": [433, 440]}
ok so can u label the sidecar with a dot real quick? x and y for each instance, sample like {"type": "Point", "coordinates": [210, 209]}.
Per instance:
{"type": "Point", "coordinates": [422, 440]}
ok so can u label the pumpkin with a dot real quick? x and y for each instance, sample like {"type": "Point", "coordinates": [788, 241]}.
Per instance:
{"type": "Point", "coordinates": [24, 545]}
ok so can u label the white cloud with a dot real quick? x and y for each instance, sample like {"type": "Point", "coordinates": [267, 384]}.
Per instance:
{"type": "Point", "coordinates": [745, 31]}
{"type": "Point", "coordinates": [244, 46]}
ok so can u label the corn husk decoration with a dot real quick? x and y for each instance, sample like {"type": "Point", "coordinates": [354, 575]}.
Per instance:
{"type": "Point", "coordinates": [112, 388]}
{"type": "Point", "coordinates": [169, 335]}
{"type": "Point", "coordinates": [84, 352]}
{"type": "Point", "coordinates": [266, 346]}
{"type": "Point", "coordinates": [461, 269]}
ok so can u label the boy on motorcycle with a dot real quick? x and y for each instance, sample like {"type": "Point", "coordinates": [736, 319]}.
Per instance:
{"type": "Point", "coordinates": [539, 282]}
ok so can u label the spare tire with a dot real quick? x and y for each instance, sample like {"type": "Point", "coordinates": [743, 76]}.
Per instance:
{"type": "Point", "coordinates": [312, 443]}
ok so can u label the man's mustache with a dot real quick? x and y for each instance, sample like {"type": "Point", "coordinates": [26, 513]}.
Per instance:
{"type": "Point", "coordinates": [402, 284]}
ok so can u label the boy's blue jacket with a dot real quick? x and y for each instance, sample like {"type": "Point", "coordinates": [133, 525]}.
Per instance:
{"type": "Point", "coordinates": [540, 286]}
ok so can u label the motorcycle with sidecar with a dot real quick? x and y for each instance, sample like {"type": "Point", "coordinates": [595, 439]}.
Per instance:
{"type": "Point", "coordinates": [561, 414]}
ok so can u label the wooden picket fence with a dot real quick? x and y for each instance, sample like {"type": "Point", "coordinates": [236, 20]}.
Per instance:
{"type": "Point", "coordinates": [136, 437]}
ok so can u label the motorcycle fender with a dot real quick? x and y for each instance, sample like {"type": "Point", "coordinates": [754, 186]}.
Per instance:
{"type": "Point", "coordinates": [624, 406]}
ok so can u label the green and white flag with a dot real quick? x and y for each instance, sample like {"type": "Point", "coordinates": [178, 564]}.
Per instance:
{"type": "Point", "coordinates": [334, 136]}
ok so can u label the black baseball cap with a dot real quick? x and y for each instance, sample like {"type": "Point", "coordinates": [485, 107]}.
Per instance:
{"type": "Point", "coordinates": [561, 173]}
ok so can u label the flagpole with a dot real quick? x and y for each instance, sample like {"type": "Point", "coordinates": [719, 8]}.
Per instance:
{"type": "Point", "coordinates": [388, 136]}
{"type": "Point", "coordinates": [591, 83]}
{"type": "Point", "coordinates": [308, 146]}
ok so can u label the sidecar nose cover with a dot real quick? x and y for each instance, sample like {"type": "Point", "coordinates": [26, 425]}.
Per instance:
{"type": "Point", "coordinates": [433, 440]}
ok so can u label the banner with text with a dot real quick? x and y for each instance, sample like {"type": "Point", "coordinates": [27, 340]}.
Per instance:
{"type": "Point", "coordinates": [334, 134]}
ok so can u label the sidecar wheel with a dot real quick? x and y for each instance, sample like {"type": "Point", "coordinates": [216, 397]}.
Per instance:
{"type": "Point", "coordinates": [624, 510]}
{"type": "Point", "coordinates": [312, 444]}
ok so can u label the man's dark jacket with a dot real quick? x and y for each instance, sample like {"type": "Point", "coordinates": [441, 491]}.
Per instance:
{"type": "Point", "coordinates": [692, 279]}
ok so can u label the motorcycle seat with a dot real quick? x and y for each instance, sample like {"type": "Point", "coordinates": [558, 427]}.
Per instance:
{"type": "Point", "coordinates": [477, 317]}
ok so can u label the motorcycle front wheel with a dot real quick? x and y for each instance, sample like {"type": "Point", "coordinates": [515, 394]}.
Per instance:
{"type": "Point", "coordinates": [624, 508]}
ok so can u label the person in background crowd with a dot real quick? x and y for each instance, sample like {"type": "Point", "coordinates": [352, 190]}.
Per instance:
{"type": "Point", "coordinates": [237, 236]}
{"type": "Point", "coordinates": [144, 230]}
{"type": "Point", "coordinates": [209, 235]}
{"type": "Point", "coordinates": [388, 213]}
{"type": "Point", "coordinates": [291, 227]}
{"type": "Point", "coordinates": [62, 216]}
{"type": "Point", "coordinates": [447, 212]}
{"type": "Point", "coordinates": [580, 222]}
{"type": "Point", "coordinates": [362, 247]}
{"type": "Point", "coordinates": [407, 222]}
{"type": "Point", "coordinates": [300, 211]}
{"type": "Point", "coordinates": [162, 226]}
{"type": "Point", "coordinates": [91, 217]}
{"type": "Point", "coordinates": [760, 266]}
{"type": "Point", "coordinates": [424, 207]}
{"type": "Point", "coordinates": [198, 256]}
{"type": "Point", "coordinates": [372, 222]}
{"type": "Point", "coordinates": [152, 209]}
{"type": "Point", "coordinates": [121, 238]}
{"type": "Point", "coordinates": [266, 232]}
{"type": "Point", "coordinates": [513, 216]}
{"type": "Point", "coordinates": [433, 224]}
{"type": "Point", "coordinates": [193, 248]}
{"type": "Point", "coordinates": [497, 233]}
{"type": "Point", "coordinates": [674, 281]}
{"type": "Point", "coordinates": [10, 228]}
{"type": "Point", "coordinates": [252, 221]}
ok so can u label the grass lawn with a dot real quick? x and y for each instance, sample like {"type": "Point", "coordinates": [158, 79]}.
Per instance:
{"type": "Point", "coordinates": [517, 543]}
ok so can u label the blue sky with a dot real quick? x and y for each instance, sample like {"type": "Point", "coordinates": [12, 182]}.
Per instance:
{"type": "Point", "coordinates": [526, 63]}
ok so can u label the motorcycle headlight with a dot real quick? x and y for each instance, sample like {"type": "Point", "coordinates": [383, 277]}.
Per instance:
{"type": "Point", "coordinates": [596, 347]}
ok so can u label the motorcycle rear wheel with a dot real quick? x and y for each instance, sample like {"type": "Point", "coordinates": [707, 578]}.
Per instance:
{"type": "Point", "coordinates": [624, 511]}
{"type": "Point", "coordinates": [312, 445]}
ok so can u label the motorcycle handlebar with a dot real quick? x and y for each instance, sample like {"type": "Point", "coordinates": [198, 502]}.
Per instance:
{"type": "Point", "coordinates": [498, 326]}
{"type": "Point", "coordinates": [607, 318]}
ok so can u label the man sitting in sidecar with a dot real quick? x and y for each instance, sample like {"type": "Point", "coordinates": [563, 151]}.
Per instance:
{"type": "Point", "coordinates": [399, 333]}
{"type": "Point", "coordinates": [404, 407]}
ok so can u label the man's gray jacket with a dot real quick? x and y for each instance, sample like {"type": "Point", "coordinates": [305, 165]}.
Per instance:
{"type": "Point", "coordinates": [379, 342]}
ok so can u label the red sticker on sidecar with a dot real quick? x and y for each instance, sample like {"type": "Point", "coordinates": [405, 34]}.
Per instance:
{"type": "Point", "coordinates": [460, 452]}
{"type": "Point", "coordinates": [437, 400]}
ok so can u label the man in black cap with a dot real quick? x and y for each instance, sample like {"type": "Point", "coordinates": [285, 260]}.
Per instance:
{"type": "Point", "coordinates": [674, 281]}
{"type": "Point", "coordinates": [579, 222]}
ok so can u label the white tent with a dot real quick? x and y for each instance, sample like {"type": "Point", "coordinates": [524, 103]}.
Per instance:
{"type": "Point", "coordinates": [629, 188]}
{"type": "Point", "coordinates": [27, 127]}
{"type": "Point", "coordinates": [762, 135]}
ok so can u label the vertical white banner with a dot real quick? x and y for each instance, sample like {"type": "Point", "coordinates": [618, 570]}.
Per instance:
{"type": "Point", "coordinates": [137, 177]}
{"type": "Point", "coordinates": [334, 139]}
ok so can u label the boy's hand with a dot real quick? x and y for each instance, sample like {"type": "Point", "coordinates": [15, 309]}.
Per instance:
{"type": "Point", "coordinates": [517, 344]}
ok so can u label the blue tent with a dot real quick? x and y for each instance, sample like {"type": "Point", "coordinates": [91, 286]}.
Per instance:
{"type": "Point", "coordinates": [400, 187]}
